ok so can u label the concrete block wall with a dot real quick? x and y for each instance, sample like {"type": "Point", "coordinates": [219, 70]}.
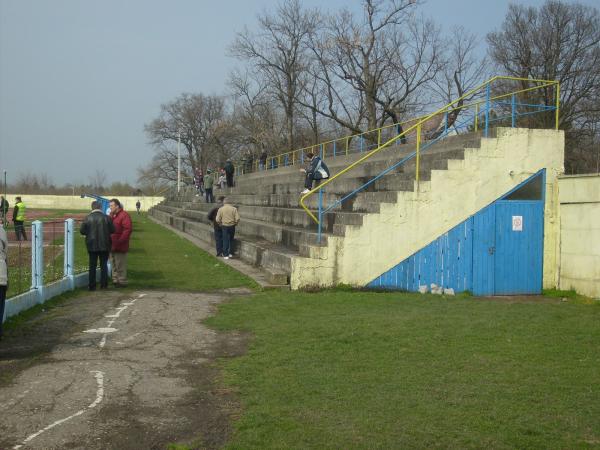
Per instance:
{"type": "Point", "coordinates": [579, 266]}
{"type": "Point", "coordinates": [76, 202]}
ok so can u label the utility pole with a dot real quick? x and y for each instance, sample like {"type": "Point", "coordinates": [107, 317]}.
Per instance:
{"type": "Point", "coordinates": [178, 160]}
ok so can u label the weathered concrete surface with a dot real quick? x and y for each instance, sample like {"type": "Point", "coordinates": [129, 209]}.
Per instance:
{"type": "Point", "coordinates": [580, 233]}
{"type": "Point", "coordinates": [148, 383]}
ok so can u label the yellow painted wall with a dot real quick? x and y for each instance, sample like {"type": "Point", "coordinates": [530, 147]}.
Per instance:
{"type": "Point", "coordinates": [580, 234]}
{"type": "Point", "coordinates": [417, 218]}
{"type": "Point", "coordinates": [76, 202]}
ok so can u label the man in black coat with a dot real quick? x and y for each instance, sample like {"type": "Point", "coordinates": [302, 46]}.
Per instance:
{"type": "Point", "coordinates": [229, 170]}
{"type": "Point", "coordinates": [212, 217]}
{"type": "Point", "coordinates": [97, 228]}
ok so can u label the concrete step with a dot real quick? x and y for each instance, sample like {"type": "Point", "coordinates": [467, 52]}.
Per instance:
{"type": "Point", "coordinates": [255, 251]}
{"type": "Point", "coordinates": [391, 153]}
{"type": "Point", "coordinates": [369, 168]}
{"type": "Point", "coordinates": [295, 217]}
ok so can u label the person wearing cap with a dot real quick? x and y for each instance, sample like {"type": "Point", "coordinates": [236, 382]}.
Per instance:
{"type": "Point", "coordinates": [19, 219]}
{"type": "Point", "coordinates": [209, 181]}
{"type": "Point", "coordinates": [229, 171]}
{"type": "Point", "coordinates": [227, 218]}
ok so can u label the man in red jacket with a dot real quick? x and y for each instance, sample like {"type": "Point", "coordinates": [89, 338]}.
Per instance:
{"type": "Point", "coordinates": [120, 242]}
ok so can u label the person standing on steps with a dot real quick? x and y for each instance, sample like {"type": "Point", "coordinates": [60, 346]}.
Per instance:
{"type": "Point", "coordinates": [3, 273]}
{"type": "Point", "coordinates": [209, 182]}
{"type": "Point", "coordinates": [212, 217]}
{"type": "Point", "coordinates": [316, 171]}
{"type": "Point", "coordinates": [120, 242]}
{"type": "Point", "coordinates": [97, 229]}
{"type": "Point", "coordinates": [228, 217]}
{"type": "Point", "coordinates": [229, 171]}
{"type": "Point", "coordinates": [19, 219]}
{"type": "Point", "coordinates": [262, 161]}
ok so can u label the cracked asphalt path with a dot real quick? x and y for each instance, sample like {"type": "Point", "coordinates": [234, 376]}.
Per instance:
{"type": "Point", "coordinates": [115, 370]}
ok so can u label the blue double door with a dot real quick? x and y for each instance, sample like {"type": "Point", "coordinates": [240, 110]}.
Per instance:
{"type": "Point", "coordinates": [508, 240]}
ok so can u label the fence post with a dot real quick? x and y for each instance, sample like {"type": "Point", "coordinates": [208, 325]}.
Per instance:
{"type": "Point", "coordinates": [476, 115]}
{"type": "Point", "coordinates": [418, 154]}
{"type": "Point", "coordinates": [513, 111]}
{"type": "Point", "coordinates": [487, 109]}
{"type": "Point", "coordinates": [37, 259]}
{"type": "Point", "coordinates": [445, 122]}
{"type": "Point", "coordinates": [334, 147]}
{"type": "Point", "coordinates": [320, 226]}
{"type": "Point", "coordinates": [69, 250]}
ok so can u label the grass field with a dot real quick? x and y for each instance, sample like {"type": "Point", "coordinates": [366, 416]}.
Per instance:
{"type": "Point", "coordinates": [384, 370]}
{"type": "Point", "coordinates": [351, 369]}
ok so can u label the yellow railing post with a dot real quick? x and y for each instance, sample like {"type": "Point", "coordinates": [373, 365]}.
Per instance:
{"type": "Point", "coordinates": [418, 152]}
{"type": "Point", "coordinates": [557, 106]}
{"type": "Point", "coordinates": [476, 115]}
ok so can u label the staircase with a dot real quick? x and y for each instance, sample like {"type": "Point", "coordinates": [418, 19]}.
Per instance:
{"type": "Point", "coordinates": [393, 212]}
{"type": "Point", "coordinates": [376, 229]}
{"type": "Point", "coordinates": [275, 231]}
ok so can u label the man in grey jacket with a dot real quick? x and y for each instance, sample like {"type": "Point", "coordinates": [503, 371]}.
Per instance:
{"type": "Point", "coordinates": [97, 228]}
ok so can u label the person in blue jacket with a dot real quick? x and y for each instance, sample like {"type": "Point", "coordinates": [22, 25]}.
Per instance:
{"type": "Point", "coordinates": [316, 171]}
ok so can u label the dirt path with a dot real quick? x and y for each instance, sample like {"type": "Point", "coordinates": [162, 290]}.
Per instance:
{"type": "Point", "coordinates": [117, 371]}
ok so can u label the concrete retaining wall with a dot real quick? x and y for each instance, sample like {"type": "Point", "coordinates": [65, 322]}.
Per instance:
{"type": "Point", "coordinates": [76, 202]}
{"type": "Point", "coordinates": [580, 234]}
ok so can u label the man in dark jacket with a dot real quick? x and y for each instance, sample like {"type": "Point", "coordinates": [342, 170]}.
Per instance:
{"type": "Point", "coordinates": [317, 170]}
{"type": "Point", "coordinates": [212, 217]}
{"type": "Point", "coordinates": [97, 228]}
{"type": "Point", "coordinates": [229, 170]}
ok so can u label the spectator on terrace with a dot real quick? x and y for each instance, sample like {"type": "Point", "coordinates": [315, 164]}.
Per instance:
{"type": "Point", "coordinates": [4, 208]}
{"type": "Point", "coordinates": [3, 273]}
{"type": "Point", "coordinates": [222, 179]}
{"type": "Point", "coordinates": [199, 182]}
{"type": "Point", "coordinates": [262, 161]}
{"type": "Point", "coordinates": [97, 228]}
{"type": "Point", "coordinates": [229, 170]}
{"type": "Point", "coordinates": [18, 219]}
{"type": "Point", "coordinates": [120, 242]}
{"type": "Point", "coordinates": [228, 217]}
{"type": "Point", "coordinates": [316, 171]}
{"type": "Point", "coordinates": [209, 181]}
{"type": "Point", "coordinates": [212, 217]}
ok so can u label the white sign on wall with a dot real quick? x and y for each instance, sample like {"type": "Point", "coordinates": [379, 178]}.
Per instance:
{"type": "Point", "coordinates": [517, 223]}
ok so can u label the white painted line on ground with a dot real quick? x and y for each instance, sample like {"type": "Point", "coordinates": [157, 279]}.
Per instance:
{"type": "Point", "coordinates": [99, 396]}
{"type": "Point", "coordinates": [101, 330]}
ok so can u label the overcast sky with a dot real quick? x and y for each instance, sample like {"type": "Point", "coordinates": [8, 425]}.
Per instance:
{"type": "Point", "coordinates": [80, 78]}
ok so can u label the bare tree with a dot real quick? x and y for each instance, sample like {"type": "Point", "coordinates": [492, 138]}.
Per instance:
{"type": "Point", "coordinates": [559, 41]}
{"type": "Point", "coordinates": [98, 180]}
{"type": "Point", "coordinates": [199, 121]}
{"type": "Point", "coordinates": [277, 52]}
{"type": "Point", "coordinates": [463, 71]}
{"type": "Point", "coordinates": [372, 67]}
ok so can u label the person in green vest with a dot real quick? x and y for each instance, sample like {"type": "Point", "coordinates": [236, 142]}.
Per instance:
{"type": "Point", "coordinates": [19, 219]}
